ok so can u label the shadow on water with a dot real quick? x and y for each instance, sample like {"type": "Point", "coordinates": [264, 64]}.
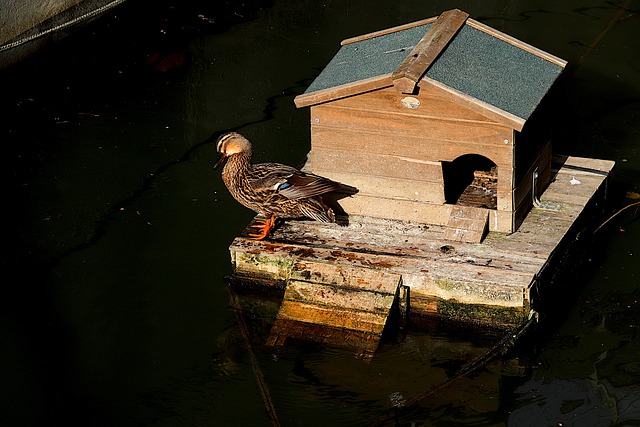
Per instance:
{"type": "Point", "coordinates": [114, 310]}
{"type": "Point", "coordinates": [148, 183]}
{"type": "Point", "coordinates": [41, 380]}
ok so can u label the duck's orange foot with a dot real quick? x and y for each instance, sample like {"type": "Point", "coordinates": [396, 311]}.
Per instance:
{"type": "Point", "coordinates": [265, 227]}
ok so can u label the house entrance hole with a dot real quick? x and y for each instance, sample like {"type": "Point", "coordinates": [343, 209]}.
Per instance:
{"type": "Point", "coordinates": [471, 180]}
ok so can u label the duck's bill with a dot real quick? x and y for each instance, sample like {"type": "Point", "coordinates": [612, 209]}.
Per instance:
{"type": "Point", "coordinates": [221, 158]}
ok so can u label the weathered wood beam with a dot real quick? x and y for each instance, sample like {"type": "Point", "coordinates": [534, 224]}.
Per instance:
{"type": "Point", "coordinates": [406, 76]}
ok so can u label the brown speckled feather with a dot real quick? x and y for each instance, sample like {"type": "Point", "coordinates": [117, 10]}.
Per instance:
{"type": "Point", "coordinates": [290, 182]}
{"type": "Point", "coordinates": [273, 189]}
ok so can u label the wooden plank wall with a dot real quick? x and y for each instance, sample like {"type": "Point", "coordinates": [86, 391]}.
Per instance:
{"type": "Point", "coordinates": [375, 143]}
{"type": "Point", "coordinates": [523, 198]}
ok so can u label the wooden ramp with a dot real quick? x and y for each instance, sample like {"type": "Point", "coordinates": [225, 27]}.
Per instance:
{"type": "Point", "coordinates": [346, 277]}
{"type": "Point", "coordinates": [467, 224]}
{"type": "Point", "coordinates": [336, 304]}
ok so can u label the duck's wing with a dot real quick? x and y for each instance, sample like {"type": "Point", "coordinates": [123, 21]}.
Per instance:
{"type": "Point", "coordinates": [289, 181]}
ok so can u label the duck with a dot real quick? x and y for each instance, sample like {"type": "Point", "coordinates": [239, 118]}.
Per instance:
{"type": "Point", "coordinates": [273, 190]}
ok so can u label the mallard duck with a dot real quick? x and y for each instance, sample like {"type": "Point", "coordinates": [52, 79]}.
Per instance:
{"type": "Point", "coordinates": [273, 190]}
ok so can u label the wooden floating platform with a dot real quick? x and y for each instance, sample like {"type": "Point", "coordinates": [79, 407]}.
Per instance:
{"type": "Point", "coordinates": [349, 278]}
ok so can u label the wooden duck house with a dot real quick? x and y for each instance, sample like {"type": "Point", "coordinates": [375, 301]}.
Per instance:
{"type": "Point", "coordinates": [428, 120]}
{"type": "Point", "coordinates": [432, 123]}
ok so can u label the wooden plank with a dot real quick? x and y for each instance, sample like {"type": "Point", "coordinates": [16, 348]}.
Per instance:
{"type": "Point", "coordinates": [471, 283]}
{"type": "Point", "coordinates": [505, 194]}
{"type": "Point", "coordinates": [540, 231]}
{"type": "Point", "coordinates": [334, 301]}
{"type": "Point", "coordinates": [443, 30]}
{"type": "Point", "coordinates": [415, 211]}
{"type": "Point", "coordinates": [368, 234]}
{"type": "Point", "coordinates": [431, 105]}
{"type": "Point", "coordinates": [520, 214]}
{"type": "Point", "coordinates": [399, 125]}
{"type": "Point", "coordinates": [446, 261]}
{"type": "Point", "coordinates": [339, 296]}
{"type": "Point", "coordinates": [493, 317]}
{"type": "Point", "coordinates": [503, 117]}
{"type": "Point", "coordinates": [467, 224]}
{"type": "Point", "coordinates": [372, 280]}
{"type": "Point", "coordinates": [410, 146]}
{"type": "Point", "coordinates": [564, 192]}
{"type": "Point", "coordinates": [380, 165]}
{"type": "Point", "coordinates": [418, 241]}
{"type": "Point", "coordinates": [577, 180]}
{"type": "Point", "coordinates": [398, 209]}
{"type": "Point", "coordinates": [332, 316]}
{"type": "Point", "coordinates": [363, 342]}
{"type": "Point", "coordinates": [260, 264]}
{"type": "Point", "coordinates": [482, 191]}
{"type": "Point", "coordinates": [571, 165]}
{"type": "Point", "coordinates": [388, 31]}
{"type": "Point", "coordinates": [342, 91]}
{"type": "Point", "coordinates": [343, 145]}
{"type": "Point", "coordinates": [501, 221]}
{"type": "Point", "coordinates": [387, 187]}
{"type": "Point", "coordinates": [543, 164]}
{"type": "Point", "coordinates": [469, 291]}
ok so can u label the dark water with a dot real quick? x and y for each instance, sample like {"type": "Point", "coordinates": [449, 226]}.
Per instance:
{"type": "Point", "coordinates": [114, 308]}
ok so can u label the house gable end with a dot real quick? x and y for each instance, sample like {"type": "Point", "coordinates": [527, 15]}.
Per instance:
{"type": "Point", "coordinates": [481, 68]}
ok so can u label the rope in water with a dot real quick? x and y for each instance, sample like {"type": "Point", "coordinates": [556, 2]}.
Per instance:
{"type": "Point", "coordinates": [637, 204]}
{"type": "Point", "coordinates": [257, 372]}
{"type": "Point", "coordinates": [501, 348]}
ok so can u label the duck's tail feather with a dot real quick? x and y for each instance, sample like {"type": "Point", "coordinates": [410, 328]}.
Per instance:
{"type": "Point", "coordinates": [318, 212]}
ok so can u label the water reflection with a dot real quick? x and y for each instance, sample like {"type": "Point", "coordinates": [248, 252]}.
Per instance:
{"type": "Point", "coordinates": [575, 402]}
{"type": "Point", "coordinates": [116, 311]}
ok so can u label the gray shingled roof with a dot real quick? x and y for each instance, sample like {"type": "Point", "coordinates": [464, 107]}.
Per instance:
{"type": "Point", "coordinates": [476, 63]}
